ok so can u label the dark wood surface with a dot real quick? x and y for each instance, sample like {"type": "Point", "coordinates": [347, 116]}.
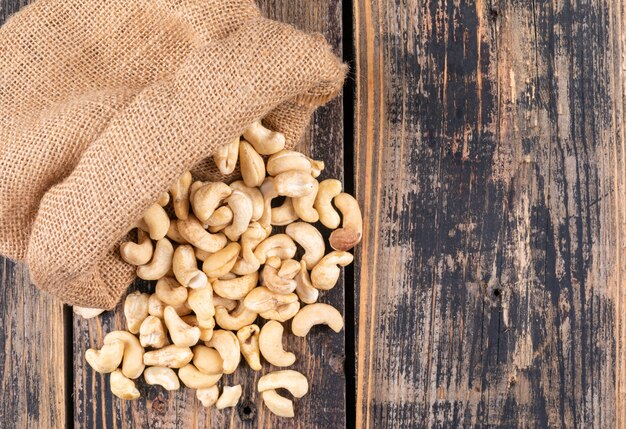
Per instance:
{"type": "Point", "coordinates": [489, 162]}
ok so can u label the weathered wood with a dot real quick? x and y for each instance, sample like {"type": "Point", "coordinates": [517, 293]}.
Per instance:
{"type": "Point", "coordinates": [490, 165]}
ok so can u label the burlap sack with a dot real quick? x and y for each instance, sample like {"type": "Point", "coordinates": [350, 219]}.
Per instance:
{"type": "Point", "coordinates": [103, 104]}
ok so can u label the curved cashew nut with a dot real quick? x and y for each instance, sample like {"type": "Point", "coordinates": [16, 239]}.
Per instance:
{"type": "Point", "coordinates": [261, 299]}
{"type": "Point", "coordinates": [287, 160]}
{"type": "Point", "coordinates": [280, 245]}
{"type": "Point", "coordinates": [201, 255]}
{"type": "Point", "coordinates": [289, 379]}
{"type": "Point", "coordinates": [289, 268]}
{"type": "Point", "coordinates": [225, 157]}
{"type": "Point", "coordinates": [163, 199]}
{"type": "Point", "coordinates": [326, 273]}
{"type": "Point", "coordinates": [316, 167]}
{"type": "Point", "coordinates": [273, 281]}
{"type": "Point", "coordinates": [208, 397]}
{"type": "Point", "coordinates": [265, 141]}
{"type": "Point", "coordinates": [316, 314]}
{"type": "Point", "coordinates": [221, 262]}
{"type": "Point", "coordinates": [285, 214]}
{"type": "Point", "coordinates": [249, 241]}
{"type": "Point", "coordinates": [138, 253]}
{"type": "Point", "coordinates": [248, 337]}
{"type": "Point", "coordinates": [207, 360]}
{"type": "Point", "coordinates": [229, 398]}
{"type": "Point", "coordinates": [135, 310]}
{"type": "Point", "coordinates": [225, 342]}
{"type": "Point", "coordinates": [294, 184]}
{"type": "Point", "coordinates": [132, 363]}
{"type": "Point", "coordinates": [180, 195]}
{"type": "Point", "coordinates": [201, 302]}
{"type": "Point", "coordinates": [241, 207]}
{"type": "Point", "coordinates": [282, 313]}
{"type": "Point", "coordinates": [349, 235]}
{"type": "Point", "coordinates": [237, 319]}
{"type": "Point", "coordinates": [161, 376]}
{"type": "Point", "coordinates": [193, 231]}
{"type": "Point", "coordinates": [268, 190]}
{"type": "Point", "coordinates": [328, 189]}
{"type": "Point", "coordinates": [160, 263]}
{"type": "Point", "coordinates": [194, 379]}
{"type": "Point", "coordinates": [310, 239]}
{"type": "Point", "coordinates": [206, 198]}
{"type": "Point", "coordinates": [107, 359]}
{"type": "Point", "coordinates": [186, 269]}
{"type": "Point", "coordinates": [303, 206]}
{"type": "Point", "coordinates": [271, 345]}
{"type": "Point", "coordinates": [157, 221]}
{"type": "Point", "coordinates": [278, 405]}
{"type": "Point", "coordinates": [122, 387]}
{"type": "Point", "coordinates": [181, 333]}
{"type": "Point", "coordinates": [228, 304]}
{"type": "Point", "coordinates": [305, 290]}
{"type": "Point", "coordinates": [206, 331]}
{"type": "Point", "coordinates": [255, 196]}
{"type": "Point", "coordinates": [156, 307]}
{"type": "Point", "coordinates": [251, 164]}
{"type": "Point", "coordinates": [170, 291]}
{"type": "Point", "coordinates": [169, 356]}
{"type": "Point", "coordinates": [173, 233]}
{"type": "Point", "coordinates": [86, 312]}
{"type": "Point", "coordinates": [152, 333]}
{"type": "Point", "coordinates": [236, 288]}
{"type": "Point", "coordinates": [221, 217]}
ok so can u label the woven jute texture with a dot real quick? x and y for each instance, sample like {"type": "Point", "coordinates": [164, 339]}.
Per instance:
{"type": "Point", "coordinates": [104, 104]}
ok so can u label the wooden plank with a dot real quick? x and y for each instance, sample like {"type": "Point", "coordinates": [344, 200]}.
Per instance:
{"type": "Point", "coordinates": [320, 355]}
{"type": "Point", "coordinates": [490, 165]}
{"type": "Point", "coordinates": [32, 345]}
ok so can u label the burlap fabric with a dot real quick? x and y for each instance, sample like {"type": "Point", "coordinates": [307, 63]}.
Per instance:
{"type": "Point", "coordinates": [103, 104]}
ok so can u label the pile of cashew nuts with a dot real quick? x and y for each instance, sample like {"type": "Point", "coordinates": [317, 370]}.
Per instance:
{"type": "Point", "coordinates": [218, 268]}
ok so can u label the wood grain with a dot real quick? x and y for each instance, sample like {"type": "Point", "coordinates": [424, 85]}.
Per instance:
{"type": "Point", "coordinates": [490, 165]}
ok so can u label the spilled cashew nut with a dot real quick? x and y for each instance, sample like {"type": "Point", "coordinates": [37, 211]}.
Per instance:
{"type": "Point", "coordinates": [195, 234]}
{"type": "Point", "coordinates": [279, 405]}
{"type": "Point", "coordinates": [181, 333]}
{"type": "Point", "coordinates": [206, 331]}
{"type": "Point", "coordinates": [229, 398]}
{"type": "Point", "coordinates": [317, 167]}
{"type": "Point", "coordinates": [207, 198]}
{"type": "Point", "coordinates": [271, 345]}
{"type": "Point", "coordinates": [237, 319]}
{"type": "Point", "coordinates": [225, 157]}
{"type": "Point", "coordinates": [328, 189]}
{"type": "Point", "coordinates": [173, 233]}
{"type": "Point", "coordinates": [122, 387]}
{"type": "Point", "coordinates": [241, 207]}
{"type": "Point", "coordinates": [194, 379]}
{"type": "Point", "coordinates": [289, 268]}
{"type": "Point", "coordinates": [201, 302]}
{"type": "Point", "coordinates": [86, 312]}
{"type": "Point", "coordinates": [170, 291]}
{"type": "Point", "coordinates": [208, 397]}
{"type": "Point", "coordinates": [255, 196]}
{"type": "Point", "coordinates": [161, 376]}
{"type": "Point", "coordinates": [227, 345]}
{"type": "Point", "coordinates": [248, 337]}
{"type": "Point", "coordinates": [138, 253]}
{"type": "Point", "coordinates": [273, 281]}
{"type": "Point", "coordinates": [252, 165]}
{"type": "Point", "coordinates": [135, 310]}
{"type": "Point", "coordinates": [221, 262]}
{"type": "Point", "coordinates": [289, 379]}
{"type": "Point", "coordinates": [236, 288]}
{"type": "Point", "coordinates": [351, 231]}
{"type": "Point", "coordinates": [287, 160]}
{"type": "Point", "coordinates": [250, 239]}
{"type": "Point", "coordinates": [228, 304]}
{"type": "Point", "coordinates": [107, 359]}
{"type": "Point", "coordinates": [157, 221]}
{"type": "Point", "coordinates": [221, 217]}
{"type": "Point", "coordinates": [294, 184]}
{"type": "Point", "coordinates": [132, 362]}
{"type": "Point", "coordinates": [160, 263]}
{"type": "Point", "coordinates": [156, 307]}
{"type": "Point", "coordinates": [186, 269]}
{"type": "Point", "coordinates": [303, 206]}
{"type": "Point", "coordinates": [265, 141]}
{"type": "Point", "coordinates": [282, 313]}
{"type": "Point", "coordinates": [310, 239]}
{"type": "Point", "coordinates": [207, 360]}
{"type": "Point", "coordinates": [280, 245]}
{"type": "Point", "coordinates": [326, 273]}
{"type": "Point", "coordinates": [180, 195]}
{"type": "Point", "coordinates": [261, 299]}
{"type": "Point", "coordinates": [163, 199]}
{"type": "Point", "coordinates": [152, 333]}
{"type": "Point", "coordinates": [284, 214]}
{"type": "Point", "coordinates": [268, 189]}
{"type": "Point", "coordinates": [316, 314]}
{"type": "Point", "coordinates": [169, 356]}
{"type": "Point", "coordinates": [304, 289]}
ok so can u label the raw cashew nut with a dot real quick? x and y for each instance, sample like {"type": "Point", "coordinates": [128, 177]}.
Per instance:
{"type": "Point", "coordinates": [169, 356]}
{"type": "Point", "coordinates": [170, 291]}
{"type": "Point", "coordinates": [316, 314]}
{"type": "Point", "coordinates": [251, 164]}
{"type": "Point", "coordinates": [164, 199]}
{"type": "Point", "coordinates": [201, 255]}
{"type": "Point", "coordinates": [160, 263]}
{"type": "Point", "coordinates": [303, 206]}
{"type": "Point", "coordinates": [194, 379]}
{"type": "Point", "coordinates": [180, 195]}
{"type": "Point", "coordinates": [280, 245]}
{"type": "Point", "coordinates": [181, 333]}
{"type": "Point", "coordinates": [225, 342]}
{"type": "Point", "coordinates": [236, 288]}
{"type": "Point", "coordinates": [261, 299]}
{"type": "Point", "coordinates": [221, 217]}
{"type": "Point", "coordinates": [207, 360]}
{"type": "Point", "coordinates": [273, 281]}
{"type": "Point", "coordinates": [241, 207]}
{"type": "Point", "coordinates": [285, 214]}
{"type": "Point", "coordinates": [328, 189]}
{"type": "Point", "coordinates": [248, 337]}
{"type": "Point", "coordinates": [255, 196]}
{"type": "Point", "coordinates": [289, 379]}
{"type": "Point", "coordinates": [305, 290]}
{"type": "Point", "coordinates": [289, 268]}
{"type": "Point", "coordinates": [239, 317]}
{"type": "Point", "coordinates": [265, 141]}
{"type": "Point", "coordinates": [221, 262]}
{"type": "Point", "coordinates": [310, 239]}
{"type": "Point", "coordinates": [208, 397]}
{"type": "Point", "coordinates": [135, 310]}
{"type": "Point", "coordinates": [271, 345]}
{"type": "Point", "coordinates": [228, 304]}
{"type": "Point", "coordinates": [206, 332]}
{"type": "Point", "coordinates": [86, 312]}
{"type": "Point", "coordinates": [122, 387]}
{"type": "Point", "coordinates": [249, 241]}
{"type": "Point", "coordinates": [156, 307]}
{"type": "Point", "coordinates": [152, 333]}
{"type": "Point", "coordinates": [279, 405]}
{"type": "Point", "coordinates": [132, 363]}
{"type": "Point", "coordinates": [173, 233]}
{"type": "Point", "coordinates": [186, 268]}
{"type": "Point", "coordinates": [207, 198]}
{"type": "Point", "coordinates": [268, 189]}
{"type": "Point", "coordinates": [138, 253]}
{"type": "Point", "coordinates": [193, 231]}
{"type": "Point", "coordinates": [107, 359]}
{"type": "Point", "coordinates": [349, 235]}
{"type": "Point", "coordinates": [282, 313]}
{"type": "Point", "coordinates": [201, 302]}
{"type": "Point", "coordinates": [294, 184]}
{"type": "Point", "coordinates": [326, 273]}
{"type": "Point", "coordinates": [316, 167]}
{"type": "Point", "coordinates": [229, 398]}
{"type": "Point", "coordinates": [157, 221]}
{"type": "Point", "coordinates": [225, 157]}
{"type": "Point", "coordinates": [161, 376]}
{"type": "Point", "coordinates": [287, 160]}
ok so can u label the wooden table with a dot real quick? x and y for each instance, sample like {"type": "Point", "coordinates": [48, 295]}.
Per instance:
{"type": "Point", "coordinates": [485, 142]}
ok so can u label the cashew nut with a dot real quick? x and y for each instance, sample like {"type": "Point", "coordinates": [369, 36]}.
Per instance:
{"type": "Point", "coordinates": [135, 310]}
{"type": "Point", "coordinates": [328, 189]}
{"type": "Point", "coordinates": [261, 299]}
{"type": "Point", "coordinates": [326, 273]}
{"type": "Point", "coordinates": [251, 164]}
{"type": "Point", "coordinates": [132, 363]}
{"type": "Point", "coordinates": [229, 398]}
{"type": "Point", "coordinates": [255, 196]}
{"type": "Point", "coordinates": [86, 312]}
{"type": "Point", "coordinates": [163, 199]}
{"type": "Point", "coordinates": [248, 337]}
{"type": "Point", "coordinates": [225, 157]}
{"type": "Point", "coordinates": [316, 167]}
{"type": "Point", "coordinates": [221, 262]}
{"type": "Point", "coordinates": [107, 359]}
{"type": "Point", "coordinates": [201, 255]}
{"type": "Point", "coordinates": [186, 268]}
{"type": "Point", "coordinates": [265, 141]}
{"type": "Point", "coordinates": [161, 376]}
{"type": "Point", "coordinates": [349, 235]}
{"type": "Point", "coordinates": [303, 206]}
{"type": "Point", "coordinates": [169, 356]}
{"type": "Point", "coordinates": [138, 253]}
{"type": "Point", "coordinates": [280, 245]}
{"type": "Point", "coordinates": [181, 333]}
{"type": "Point", "coordinates": [279, 405]}
{"type": "Point", "coordinates": [156, 307]}
{"type": "Point", "coordinates": [208, 397]}
{"type": "Point", "coordinates": [207, 198]}
{"type": "Point", "coordinates": [249, 241]}
{"type": "Point", "coordinates": [122, 387]}
{"type": "Point", "coordinates": [160, 263]}
{"type": "Point", "coordinates": [225, 342]}
{"type": "Point", "coordinates": [152, 333]}
{"type": "Point", "coordinates": [241, 207]}
{"type": "Point", "coordinates": [239, 317]}
{"type": "Point", "coordinates": [194, 379]}
{"type": "Point", "coordinates": [228, 304]}
{"type": "Point", "coordinates": [193, 231]}
{"type": "Point", "coordinates": [316, 314]}
{"type": "Point", "coordinates": [282, 313]}
{"type": "Point", "coordinates": [305, 290]}
{"type": "Point", "coordinates": [206, 331]}
{"type": "Point", "coordinates": [271, 345]}
{"type": "Point", "coordinates": [310, 239]}
{"type": "Point", "coordinates": [268, 189]}
{"type": "Point", "coordinates": [173, 233]}
{"type": "Point", "coordinates": [294, 184]}
{"type": "Point", "coordinates": [170, 291]}
{"type": "Point", "coordinates": [273, 281]}
{"type": "Point", "coordinates": [157, 221]}
{"type": "Point", "coordinates": [289, 268]}
{"type": "Point", "coordinates": [293, 381]}
{"type": "Point", "coordinates": [201, 302]}
{"type": "Point", "coordinates": [221, 217]}
{"type": "Point", "coordinates": [180, 195]}
{"type": "Point", "coordinates": [236, 288]}
{"type": "Point", "coordinates": [285, 214]}
{"type": "Point", "coordinates": [287, 160]}
{"type": "Point", "coordinates": [207, 360]}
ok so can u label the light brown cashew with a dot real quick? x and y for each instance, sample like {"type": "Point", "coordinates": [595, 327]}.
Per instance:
{"type": "Point", "coordinates": [249, 241]}
{"type": "Point", "coordinates": [186, 269]}
{"type": "Point", "coordinates": [201, 255]}
{"type": "Point", "coordinates": [255, 196]}
{"type": "Point", "coordinates": [273, 281]}
{"type": "Point", "coordinates": [229, 398]}
{"type": "Point", "coordinates": [157, 220]}
{"type": "Point", "coordinates": [86, 312]}
{"type": "Point", "coordinates": [163, 199]}
{"type": "Point", "coordinates": [169, 291]}
{"type": "Point", "coordinates": [122, 387]}
{"type": "Point", "coordinates": [161, 376]}
{"type": "Point", "coordinates": [285, 214]}
{"type": "Point", "coordinates": [248, 337]}
{"type": "Point", "coordinates": [135, 310]}
{"type": "Point", "coordinates": [160, 263]}
{"type": "Point", "coordinates": [132, 363]}
{"type": "Point", "coordinates": [194, 187]}
{"type": "Point", "coordinates": [228, 304]}
{"type": "Point", "coordinates": [328, 189]}
{"type": "Point", "coordinates": [169, 356]}
{"type": "Point", "coordinates": [181, 333]}
{"type": "Point", "coordinates": [221, 262]}
{"type": "Point", "coordinates": [316, 314]}
{"type": "Point", "coordinates": [294, 184]}
{"type": "Point", "coordinates": [251, 164]}
{"type": "Point", "coordinates": [207, 360]}
{"type": "Point", "coordinates": [155, 306]}
{"type": "Point", "coordinates": [278, 405]}
{"type": "Point", "coordinates": [180, 195]}
{"type": "Point", "coordinates": [201, 302]}
{"type": "Point", "coordinates": [227, 345]}
{"type": "Point", "coordinates": [282, 313]}
{"type": "Point", "coordinates": [305, 290]}
{"type": "Point", "coordinates": [271, 345]}
{"type": "Point", "coordinates": [289, 268]}
{"type": "Point", "coordinates": [303, 206]}
{"type": "Point", "coordinates": [310, 239]}
{"type": "Point", "coordinates": [236, 288]}
{"type": "Point", "coordinates": [206, 332]}
{"type": "Point", "coordinates": [208, 397]}
{"type": "Point", "coordinates": [287, 160]}
{"type": "Point", "coordinates": [326, 273]}
{"type": "Point", "coordinates": [349, 235]}
{"type": "Point", "coordinates": [193, 231]}
{"type": "Point", "coordinates": [280, 245]}
{"type": "Point", "coordinates": [152, 333]}
{"type": "Point", "coordinates": [316, 167]}
{"type": "Point", "coordinates": [207, 198]}
{"type": "Point", "coordinates": [221, 217]}
{"type": "Point", "coordinates": [264, 140]}
{"type": "Point", "coordinates": [238, 318]}
{"type": "Point", "coordinates": [138, 253]}
{"type": "Point", "coordinates": [225, 157]}
{"type": "Point", "coordinates": [261, 299]}
{"type": "Point", "coordinates": [194, 379]}
{"type": "Point", "coordinates": [289, 379]}
{"type": "Point", "coordinates": [173, 233]}
{"type": "Point", "coordinates": [241, 207]}
{"type": "Point", "coordinates": [107, 359]}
